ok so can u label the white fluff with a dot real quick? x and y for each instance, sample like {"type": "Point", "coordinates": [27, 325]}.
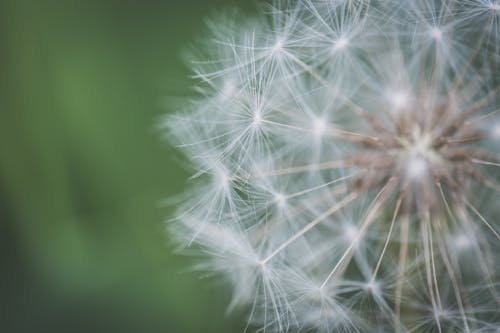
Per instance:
{"type": "Point", "coordinates": [346, 157]}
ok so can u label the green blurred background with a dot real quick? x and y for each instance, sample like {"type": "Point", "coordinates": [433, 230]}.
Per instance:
{"type": "Point", "coordinates": [83, 169]}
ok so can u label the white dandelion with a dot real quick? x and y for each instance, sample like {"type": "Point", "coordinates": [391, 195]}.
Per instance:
{"type": "Point", "coordinates": [346, 157]}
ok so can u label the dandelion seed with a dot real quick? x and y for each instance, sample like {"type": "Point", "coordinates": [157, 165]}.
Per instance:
{"type": "Point", "coordinates": [319, 126]}
{"type": "Point", "coordinates": [461, 242]}
{"type": "Point", "coordinates": [351, 232]}
{"type": "Point", "coordinates": [280, 199]}
{"type": "Point", "coordinates": [257, 118]}
{"type": "Point", "coordinates": [436, 33]}
{"type": "Point", "coordinates": [278, 46]}
{"type": "Point", "coordinates": [398, 99]}
{"type": "Point", "coordinates": [340, 43]}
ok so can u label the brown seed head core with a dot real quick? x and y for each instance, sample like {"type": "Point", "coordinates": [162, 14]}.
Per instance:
{"type": "Point", "coordinates": [428, 147]}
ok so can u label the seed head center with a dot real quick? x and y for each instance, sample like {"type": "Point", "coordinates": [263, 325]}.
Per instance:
{"type": "Point", "coordinates": [419, 154]}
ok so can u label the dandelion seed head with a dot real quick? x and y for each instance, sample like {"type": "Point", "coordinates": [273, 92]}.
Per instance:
{"type": "Point", "coordinates": [345, 176]}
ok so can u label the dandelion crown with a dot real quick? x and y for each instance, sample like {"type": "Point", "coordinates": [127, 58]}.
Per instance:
{"type": "Point", "coordinates": [347, 157]}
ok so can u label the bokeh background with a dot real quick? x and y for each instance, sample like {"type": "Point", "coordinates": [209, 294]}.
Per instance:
{"type": "Point", "coordinates": [84, 170]}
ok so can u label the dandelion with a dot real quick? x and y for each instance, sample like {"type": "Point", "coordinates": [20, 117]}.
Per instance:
{"type": "Point", "coordinates": [347, 157]}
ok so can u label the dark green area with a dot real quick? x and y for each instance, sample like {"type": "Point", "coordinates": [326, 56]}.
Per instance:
{"type": "Point", "coordinates": [83, 169]}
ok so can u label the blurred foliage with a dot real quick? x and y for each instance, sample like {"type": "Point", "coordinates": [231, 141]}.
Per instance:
{"type": "Point", "coordinates": [83, 169]}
